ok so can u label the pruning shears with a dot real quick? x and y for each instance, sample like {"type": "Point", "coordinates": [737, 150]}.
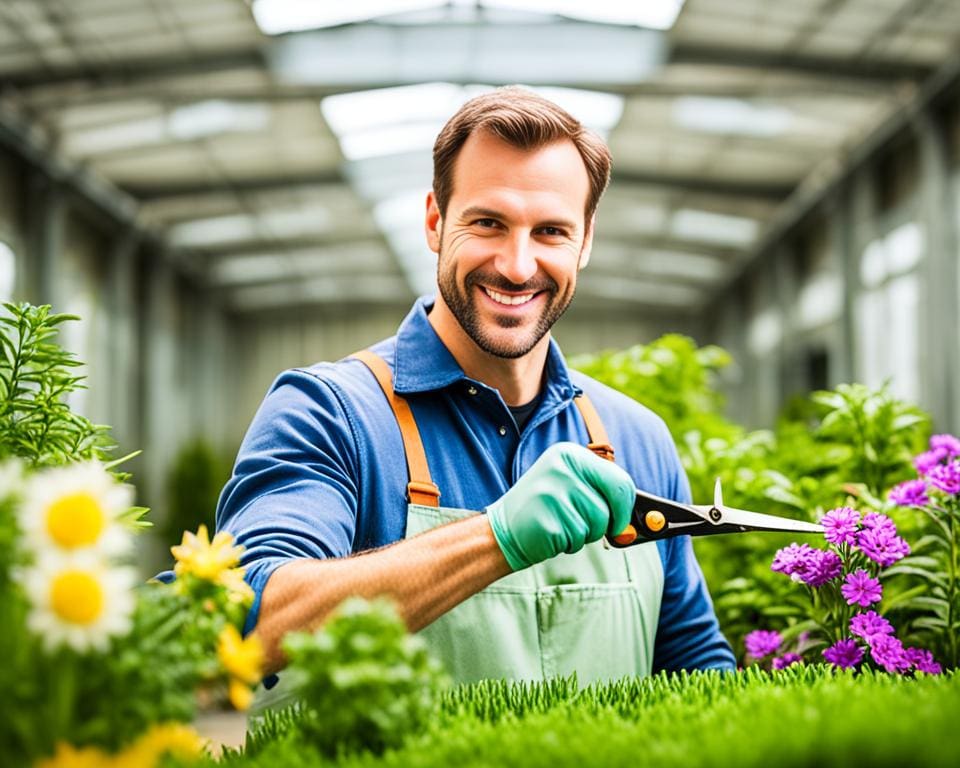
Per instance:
{"type": "Point", "coordinates": [655, 518]}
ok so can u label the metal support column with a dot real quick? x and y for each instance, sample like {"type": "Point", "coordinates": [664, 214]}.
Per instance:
{"type": "Point", "coordinates": [940, 318]}
{"type": "Point", "coordinates": [844, 253]}
{"type": "Point", "coordinates": [123, 350]}
{"type": "Point", "coordinates": [46, 218]}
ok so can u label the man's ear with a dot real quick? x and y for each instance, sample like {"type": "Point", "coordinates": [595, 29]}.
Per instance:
{"type": "Point", "coordinates": [433, 223]}
{"type": "Point", "coordinates": [587, 244]}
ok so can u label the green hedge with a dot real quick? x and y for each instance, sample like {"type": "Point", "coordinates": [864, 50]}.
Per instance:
{"type": "Point", "coordinates": [799, 716]}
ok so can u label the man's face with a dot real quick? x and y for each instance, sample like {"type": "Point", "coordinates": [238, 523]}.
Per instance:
{"type": "Point", "coordinates": [512, 241]}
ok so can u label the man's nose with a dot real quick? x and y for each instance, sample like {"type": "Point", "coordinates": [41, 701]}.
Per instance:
{"type": "Point", "coordinates": [516, 261]}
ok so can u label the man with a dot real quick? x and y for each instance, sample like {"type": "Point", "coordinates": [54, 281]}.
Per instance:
{"type": "Point", "coordinates": [335, 490]}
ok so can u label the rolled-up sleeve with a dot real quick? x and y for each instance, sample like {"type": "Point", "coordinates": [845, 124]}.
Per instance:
{"type": "Point", "coordinates": [294, 488]}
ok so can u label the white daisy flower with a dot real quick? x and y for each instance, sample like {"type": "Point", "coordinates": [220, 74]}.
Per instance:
{"type": "Point", "coordinates": [78, 601]}
{"type": "Point", "coordinates": [76, 508]}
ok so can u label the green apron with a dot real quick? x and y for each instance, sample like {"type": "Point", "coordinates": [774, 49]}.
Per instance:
{"type": "Point", "coordinates": [593, 612]}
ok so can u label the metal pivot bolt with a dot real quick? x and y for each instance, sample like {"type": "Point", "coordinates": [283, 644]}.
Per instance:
{"type": "Point", "coordinates": [654, 520]}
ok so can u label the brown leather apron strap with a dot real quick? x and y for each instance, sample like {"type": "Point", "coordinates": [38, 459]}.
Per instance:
{"type": "Point", "coordinates": [599, 442]}
{"type": "Point", "coordinates": [421, 488]}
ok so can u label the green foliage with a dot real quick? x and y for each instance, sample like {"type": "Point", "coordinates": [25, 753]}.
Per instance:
{"type": "Point", "coordinates": [364, 682]}
{"type": "Point", "coordinates": [196, 477]}
{"type": "Point", "coordinates": [797, 717]}
{"type": "Point", "coordinates": [35, 377]}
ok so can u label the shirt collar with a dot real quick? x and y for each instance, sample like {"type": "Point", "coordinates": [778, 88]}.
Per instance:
{"type": "Point", "coordinates": [423, 363]}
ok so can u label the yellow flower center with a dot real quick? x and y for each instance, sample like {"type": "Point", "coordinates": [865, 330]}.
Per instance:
{"type": "Point", "coordinates": [75, 520]}
{"type": "Point", "coordinates": [76, 597]}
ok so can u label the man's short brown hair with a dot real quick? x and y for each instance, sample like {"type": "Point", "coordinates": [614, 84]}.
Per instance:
{"type": "Point", "coordinates": [527, 121]}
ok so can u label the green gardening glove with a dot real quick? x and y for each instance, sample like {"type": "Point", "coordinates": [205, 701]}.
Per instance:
{"type": "Point", "coordinates": [568, 498]}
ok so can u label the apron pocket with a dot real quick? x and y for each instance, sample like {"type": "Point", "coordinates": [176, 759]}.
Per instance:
{"type": "Point", "coordinates": [599, 631]}
{"type": "Point", "coordinates": [491, 635]}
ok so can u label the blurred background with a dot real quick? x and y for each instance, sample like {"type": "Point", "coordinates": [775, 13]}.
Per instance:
{"type": "Point", "coordinates": [224, 188]}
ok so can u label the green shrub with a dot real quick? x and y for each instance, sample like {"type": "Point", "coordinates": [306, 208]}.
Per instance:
{"type": "Point", "coordinates": [196, 477]}
{"type": "Point", "coordinates": [364, 682]}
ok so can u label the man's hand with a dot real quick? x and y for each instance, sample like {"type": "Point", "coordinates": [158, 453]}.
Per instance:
{"type": "Point", "coordinates": [568, 498]}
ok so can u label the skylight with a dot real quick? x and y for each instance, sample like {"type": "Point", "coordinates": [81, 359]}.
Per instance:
{"type": "Point", "coordinates": [710, 227]}
{"type": "Point", "coordinates": [721, 115]}
{"type": "Point", "coordinates": [275, 17]}
{"type": "Point", "coordinates": [390, 121]}
{"type": "Point", "coordinates": [653, 14]}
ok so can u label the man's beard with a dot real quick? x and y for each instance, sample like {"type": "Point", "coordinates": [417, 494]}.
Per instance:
{"type": "Point", "coordinates": [462, 303]}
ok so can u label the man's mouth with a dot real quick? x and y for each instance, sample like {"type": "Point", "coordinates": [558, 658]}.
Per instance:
{"type": "Point", "coordinates": [510, 300]}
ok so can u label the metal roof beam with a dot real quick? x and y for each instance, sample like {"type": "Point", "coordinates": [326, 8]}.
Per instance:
{"type": "Point", "coordinates": [762, 191]}
{"type": "Point", "coordinates": [827, 67]}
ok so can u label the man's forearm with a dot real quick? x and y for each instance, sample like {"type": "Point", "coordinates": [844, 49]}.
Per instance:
{"type": "Point", "coordinates": [426, 575]}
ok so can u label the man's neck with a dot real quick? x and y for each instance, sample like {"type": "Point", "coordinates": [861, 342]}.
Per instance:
{"type": "Point", "coordinates": [517, 379]}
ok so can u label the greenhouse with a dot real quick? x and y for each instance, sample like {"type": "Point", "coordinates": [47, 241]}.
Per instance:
{"type": "Point", "coordinates": [479, 383]}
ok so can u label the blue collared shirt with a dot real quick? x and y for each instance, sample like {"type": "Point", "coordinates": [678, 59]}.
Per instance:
{"type": "Point", "coordinates": [322, 472]}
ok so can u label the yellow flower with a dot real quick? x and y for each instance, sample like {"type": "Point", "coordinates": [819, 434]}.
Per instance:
{"type": "Point", "coordinates": [78, 600]}
{"type": "Point", "coordinates": [203, 558]}
{"type": "Point", "coordinates": [68, 756]}
{"type": "Point", "coordinates": [238, 591]}
{"type": "Point", "coordinates": [243, 660]}
{"type": "Point", "coordinates": [160, 739]}
{"type": "Point", "coordinates": [77, 508]}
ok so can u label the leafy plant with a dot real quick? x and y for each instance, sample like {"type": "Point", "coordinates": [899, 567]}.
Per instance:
{"type": "Point", "coordinates": [364, 681]}
{"type": "Point", "coordinates": [36, 374]}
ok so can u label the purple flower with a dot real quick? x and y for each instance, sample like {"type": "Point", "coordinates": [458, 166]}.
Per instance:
{"type": "Point", "coordinates": [788, 659]}
{"type": "Point", "coordinates": [792, 561]}
{"type": "Point", "coordinates": [875, 520]}
{"type": "Point", "coordinates": [762, 642]}
{"type": "Point", "coordinates": [946, 477]}
{"type": "Point", "coordinates": [912, 493]}
{"type": "Point", "coordinates": [870, 624]}
{"type": "Point", "coordinates": [888, 652]}
{"type": "Point", "coordinates": [840, 525]}
{"type": "Point", "coordinates": [924, 462]}
{"type": "Point", "coordinates": [920, 659]}
{"type": "Point", "coordinates": [947, 443]}
{"type": "Point", "coordinates": [881, 544]}
{"type": "Point", "coordinates": [823, 565]}
{"type": "Point", "coordinates": [844, 654]}
{"type": "Point", "coordinates": [859, 588]}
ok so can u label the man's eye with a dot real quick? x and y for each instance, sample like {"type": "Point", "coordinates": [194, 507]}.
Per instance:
{"type": "Point", "coordinates": [486, 223]}
{"type": "Point", "coordinates": [552, 231]}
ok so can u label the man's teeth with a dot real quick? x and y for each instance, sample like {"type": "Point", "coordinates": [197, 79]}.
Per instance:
{"type": "Point", "coordinates": [510, 300]}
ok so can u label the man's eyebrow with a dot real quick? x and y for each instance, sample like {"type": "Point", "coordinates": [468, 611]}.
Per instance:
{"type": "Point", "coordinates": [477, 211]}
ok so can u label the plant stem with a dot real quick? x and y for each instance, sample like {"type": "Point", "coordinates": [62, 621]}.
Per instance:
{"type": "Point", "coordinates": [951, 592]}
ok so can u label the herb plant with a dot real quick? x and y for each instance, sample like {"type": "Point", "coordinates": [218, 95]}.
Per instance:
{"type": "Point", "coordinates": [36, 375]}
{"type": "Point", "coordinates": [363, 680]}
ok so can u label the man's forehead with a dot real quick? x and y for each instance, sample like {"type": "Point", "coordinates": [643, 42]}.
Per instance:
{"type": "Point", "coordinates": [553, 173]}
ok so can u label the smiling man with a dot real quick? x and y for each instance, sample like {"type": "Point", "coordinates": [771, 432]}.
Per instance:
{"type": "Point", "coordinates": [459, 467]}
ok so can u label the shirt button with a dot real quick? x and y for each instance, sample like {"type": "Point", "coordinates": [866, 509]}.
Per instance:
{"type": "Point", "coordinates": [472, 389]}
{"type": "Point", "coordinates": [502, 431]}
